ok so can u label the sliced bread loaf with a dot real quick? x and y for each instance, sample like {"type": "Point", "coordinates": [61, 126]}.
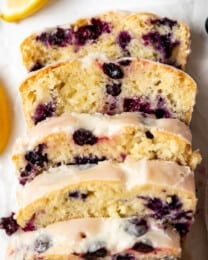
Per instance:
{"type": "Point", "coordinates": [117, 34]}
{"type": "Point", "coordinates": [96, 84]}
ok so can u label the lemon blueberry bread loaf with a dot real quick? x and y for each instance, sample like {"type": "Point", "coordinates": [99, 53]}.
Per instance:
{"type": "Point", "coordinates": [82, 138]}
{"type": "Point", "coordinates": [158, 189]}
{"type": "Point", "coordinates": [98, 238]}
{"type": "Point", "coordinates": [117, 34]}
{"type": "Point", "coordinates": [99, 85]}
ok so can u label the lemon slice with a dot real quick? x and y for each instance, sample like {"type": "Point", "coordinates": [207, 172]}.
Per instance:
{"type": "Point", "coordinates": [16, 10]}
{"type": "Point", "coordinates": [5, 119]}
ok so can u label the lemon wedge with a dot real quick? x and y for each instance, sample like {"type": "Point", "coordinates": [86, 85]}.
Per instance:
{"type": "Point", "coordinates": [16, 10]}
{"type": "Point", "coordinates": [5, 119]}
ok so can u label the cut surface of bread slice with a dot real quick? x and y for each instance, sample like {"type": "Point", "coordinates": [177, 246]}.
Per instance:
{"type": "Point", "coordinates": [99, 85]}
{"type": "Point", "coordinates": [117, 34]}
{"type": "Point", "coordinates": [159, 189]}
{"type": "Point", "coordinates": [83, 138]}
{"type": "Point", "coordinates": [97, 238]}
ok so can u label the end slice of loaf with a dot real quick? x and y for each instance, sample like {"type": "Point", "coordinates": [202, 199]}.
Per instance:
{"type": "Point", "coordinates": [159, 189]}
{"type": "Point", "coordinates": [117, 34]}
{"type": "Point", "coordinates": [83, 138]}
{"type": "Point", "coordinates": [96, 84]}
{"type": "Point", "coordinates": [97, 238]}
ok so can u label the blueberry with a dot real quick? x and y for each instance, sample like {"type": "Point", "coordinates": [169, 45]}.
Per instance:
{"type": "Point", "coordinates": [101, 252]}
{"type": "Point", "coordinates": [125, 62]}
{"type": "Point", "coordinates": [143, 247]}
{"type": "Point", "coordinates": [37, 156]}
{"type": "Point", "coordinates": [124, 39]}
{"type": "Point", "coordinates": [43, 111]}
{"type": "Point", "coordinates": [131, 104]}
{"type": "Point", "coordinates": [42, 244]}
{"type": "Point", "coordinates": [162, 43]}
{"type": "Point", "coordinates": [92, 31]}
{"type": "Point", "coordinates": [123, 257]}
{"type": "Point", "coordinates": [28, 169]}
{"type": "Point", "coordinates": [136, 227]}
{"type": "Point", "coordinates": [149, 135]}
{"type": "Point", "coordinates": [59, 37]}
{"type": "Point", "coordinates": [83, 136]}
{"type": "Point", "coordinates": [175, 203]}
{"type": "Point", "coordinates": [84, 34]}
{"type": "Point", "coordinates": [183, 215]}
{"type": "Point", "coordinates": [30, 225]}
{"type": "Point", "coordinates": [63, 37]}
{"type": "Point", "coordinates": [182, 228]}
{"type": "Point", "coordinates": [112, 70]}
{"type": "Point", "coordinates": [9, 224]}
{"type": "Point", "coordinates": [101, 26]}
{"type": "Point", "coordinates": [157, 205]}
{"type": "Point", "coordinates": [136, 104]}
{"type": "Point", "coordinates": [160, 113]}
{"type": "Point", "coordinates": [91, 159]}
{"type": "Point", "coordinates": [36, 66]}
{"type": "Point", "coordinates": [164, 21]}
{"type": "Point", "coordinates": [78, 195]}
{"type": "Point", "coordinates": [113, 89]}
{"type": "Point", "coordinates": [26, 174]}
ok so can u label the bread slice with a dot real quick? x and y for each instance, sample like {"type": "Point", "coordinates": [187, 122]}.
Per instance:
{"type": "Point", "coordinates": [117, 34]}
{"type": "Point", "coordinates": [97, 238]}
{"type": "Point", "coordinates": [83, 138]}
{"type": "Point", "coordinates": [96, 84]}
{"type": "Point", "coordinates": [159, 189]}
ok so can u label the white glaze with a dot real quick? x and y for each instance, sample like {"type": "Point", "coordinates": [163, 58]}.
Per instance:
{"type": "Point", "coordinates": [100, 125]}
{"type": "Point", "coordinates": [66, 237]}
{"type": "Point", "coordinates": [130, 174]}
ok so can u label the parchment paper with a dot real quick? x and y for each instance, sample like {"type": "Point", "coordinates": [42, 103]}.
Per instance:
{"type": "Point", "coordinates": [12, 72]}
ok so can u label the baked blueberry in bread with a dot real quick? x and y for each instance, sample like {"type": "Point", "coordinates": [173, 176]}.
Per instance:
{"type": "Point", "coordinates": [96, 84]}
{"type": "Point", "coordinates": [87, 139]}
{"type": "Point", "coordinates": [97, 238]}
{"type": "Point", "coordinates": [117, 34]}
{"type": "Point", "coordinates": [157, 189]}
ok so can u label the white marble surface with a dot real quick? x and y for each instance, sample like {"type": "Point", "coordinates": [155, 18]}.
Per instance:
{"type": "Point", "coordinates": [12, 73]}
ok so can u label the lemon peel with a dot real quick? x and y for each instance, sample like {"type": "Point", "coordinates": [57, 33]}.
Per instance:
{"type": "Point", "coordinates": [5, 119]}
{"type": "Point", "coordinates": [20, 9]}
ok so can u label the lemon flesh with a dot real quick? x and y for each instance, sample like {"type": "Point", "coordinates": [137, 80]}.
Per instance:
{"type": "Point", "coordinates": [5, 120]}
{"type": "Point", "coordinates": [19, 9]}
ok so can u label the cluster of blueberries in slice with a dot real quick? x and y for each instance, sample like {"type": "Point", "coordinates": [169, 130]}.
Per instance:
{"type": "Point", "coordinates": [35, 160]}
{"type": "Point", "coordinates": [89, 33]}
{"type": "Point", "coordinates": [10, 226]}
{"type": "Point", "coordinates": [171, 211]}
{"type": "Point", "coordinates": [44, 111]}
{"type": "Point", "coordinates": [133, 104]}
{"type": "Point", "coordinates": [164, 43]}
{"type": "Point", "coordinates": [62, 37]}
{"type": "Point", "coordinates": [115, 104]}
